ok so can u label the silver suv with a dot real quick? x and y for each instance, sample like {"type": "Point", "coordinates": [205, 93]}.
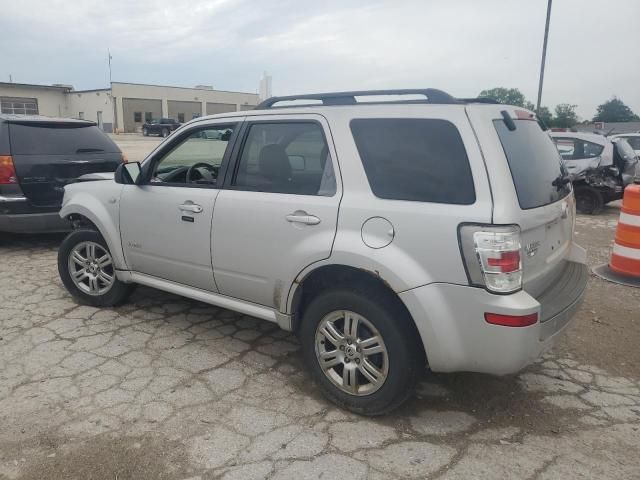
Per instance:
{"type": "Point", "coordinates": [389, 229]}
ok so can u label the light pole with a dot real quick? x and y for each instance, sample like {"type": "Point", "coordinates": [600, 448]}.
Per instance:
{"type": "Point", "coordinates": [544, 56]}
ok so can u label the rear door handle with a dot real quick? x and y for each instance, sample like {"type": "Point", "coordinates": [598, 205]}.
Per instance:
{"type": "Point", "coordinates": [302, 217]}
{"type": "Point", "coordinates": [190, 207]}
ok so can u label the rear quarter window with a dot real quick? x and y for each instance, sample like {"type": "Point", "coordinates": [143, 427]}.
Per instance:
{"type": "Point", "coordinates": [534, 162]}
{"type": "Point", "coordinates": [422, 160]}
{"type": "Point", "coordinates": [59, 140]}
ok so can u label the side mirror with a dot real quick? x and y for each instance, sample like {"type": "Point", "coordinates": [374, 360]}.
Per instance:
{"type": "Point", "coordinates": [128, 173]}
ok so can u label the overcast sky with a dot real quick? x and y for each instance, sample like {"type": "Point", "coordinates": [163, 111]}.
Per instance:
{"type": "Point", "coordinates": [461, 46]}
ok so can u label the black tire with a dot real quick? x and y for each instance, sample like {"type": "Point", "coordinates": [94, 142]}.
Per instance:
{"type": "Point", "coordinates": [145, 132]}
{"type": "Point", "coordinates": [119, 291]}
{"type": "Point", "coordinates": [406, 361]}
{"type": "Point", "coordinates": [165, 132]}
{"type": "Point", "coordinates": [588, 200]}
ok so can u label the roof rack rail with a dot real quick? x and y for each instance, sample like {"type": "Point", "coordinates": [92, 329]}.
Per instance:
{"type": "Point", "coordinates": [481, 100]}
{"type": "Point", "coordinates": [432, 95]}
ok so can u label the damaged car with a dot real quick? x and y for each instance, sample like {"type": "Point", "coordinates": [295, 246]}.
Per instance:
{"type": "Point", "coordinates": [599, 167]}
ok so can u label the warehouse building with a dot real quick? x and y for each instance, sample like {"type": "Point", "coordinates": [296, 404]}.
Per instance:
{"type": "Point", "coordinates": [124, 107]}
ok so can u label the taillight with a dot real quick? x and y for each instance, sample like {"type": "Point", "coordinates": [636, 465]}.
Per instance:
{"type": "Point", "coordinates": [492, 256]}
{"type": "Point", "coordinates": [7, 170]}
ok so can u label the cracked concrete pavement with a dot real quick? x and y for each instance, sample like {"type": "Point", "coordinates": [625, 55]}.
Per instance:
{"type": "Point", "coordinates": [164, 387]}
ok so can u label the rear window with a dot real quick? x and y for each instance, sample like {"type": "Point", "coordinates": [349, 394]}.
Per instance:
{"type": "Point", "coordinates": [534, 162]}
{"type": "Point", "coordinates": [421, 160]}
{"type": "Point", "coordinates": [59, 140]}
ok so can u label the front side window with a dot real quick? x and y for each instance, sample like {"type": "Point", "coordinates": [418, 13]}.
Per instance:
{"type": "Point", "coordinates": [196, 159]}
{"type": "Point", "coordinates": [286, 158]}
{"type": "Point", "coordinates": [422, 160]}
{"type": "Point", "coordinates": [137, 117]}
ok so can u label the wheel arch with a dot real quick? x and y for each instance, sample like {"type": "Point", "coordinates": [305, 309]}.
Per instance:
{"type": "Point", "coordinates": [85, 210]}
{"type": "Point", "coordinates": [338, 275]}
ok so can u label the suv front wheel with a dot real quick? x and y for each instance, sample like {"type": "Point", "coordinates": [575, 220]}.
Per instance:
{"type": "Point", "coordinates": [86, 268]}
{"type": "Point", "coordinates": [363, 353]}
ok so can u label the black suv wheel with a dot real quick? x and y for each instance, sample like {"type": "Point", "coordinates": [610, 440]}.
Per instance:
{"type": "Point", "coordinates": [363, 353]}
{"type": "Point", "coordinates": [87, 270]}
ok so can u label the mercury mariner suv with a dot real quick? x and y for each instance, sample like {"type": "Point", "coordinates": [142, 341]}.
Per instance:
{"type": "Point", "coordinates": [391, 230]}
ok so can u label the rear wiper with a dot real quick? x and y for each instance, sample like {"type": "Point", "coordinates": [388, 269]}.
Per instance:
{"type": "Point", "coordinates": [89, 150]}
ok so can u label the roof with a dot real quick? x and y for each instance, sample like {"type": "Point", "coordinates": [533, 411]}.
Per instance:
{"type": "Point", "coordinates": [41, 120]}
{"type": "Point", "coordinates": [33, 85]}
{"type": "Point", "coordinates": [589, 137]}
{"type": "Point", "coordinates": [625, 135]}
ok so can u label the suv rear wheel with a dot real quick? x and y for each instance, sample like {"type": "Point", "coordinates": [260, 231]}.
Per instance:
{"type": "Point", "coordinates": [363, 353]}
{"type": "Point", "coordinates": [87, 270]}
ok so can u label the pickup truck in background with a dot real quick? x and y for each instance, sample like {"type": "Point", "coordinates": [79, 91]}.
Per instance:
{"type": "Point", "coordinates": [162, 126]}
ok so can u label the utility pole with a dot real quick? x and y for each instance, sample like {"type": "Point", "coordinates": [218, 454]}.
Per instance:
{"type": "Point", "coordinates": [544, 55]}
{"type": "Point", "coordinates": [110, 57]}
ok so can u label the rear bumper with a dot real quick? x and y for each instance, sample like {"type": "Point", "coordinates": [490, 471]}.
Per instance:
{"type": "Point", "coordinates": [17, 215]}
{"type": "Point", "coordinates": [450, 319]}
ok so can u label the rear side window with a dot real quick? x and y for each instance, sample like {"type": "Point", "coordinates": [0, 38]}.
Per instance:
{"type": "Point", "coordinates": [422, 160]}
{"type": "Point", "coordinates": [577, 149]}
{"type": "Point", "coordinates": [534, 162]}
{"type": "Point", "coordinates": [59, 140]}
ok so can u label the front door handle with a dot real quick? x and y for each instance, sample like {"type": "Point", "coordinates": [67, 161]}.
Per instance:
{"type": "Point", "coordinates": [302, 217]}
{"type": "Point", "coordinates": [190, 207]}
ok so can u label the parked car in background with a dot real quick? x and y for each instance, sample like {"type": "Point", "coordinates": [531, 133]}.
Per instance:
{"type": "Point", "coordinates": [388, 235]}
{"type": "Point", "coordinates": [161, 126]}
{"type": "Point", "coordinates": [38, 157]}
{"type": "Point", "coordinates": [632, 138]}
{"type": "Point", "coordinates": [600, 167]}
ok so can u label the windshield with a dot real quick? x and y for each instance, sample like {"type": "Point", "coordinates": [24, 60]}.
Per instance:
{"type": "Point", "coordinates": [535, 164]}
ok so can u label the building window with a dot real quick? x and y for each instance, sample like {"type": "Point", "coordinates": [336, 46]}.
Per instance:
{"type": "Point", "coordinates": [19, 106]}
{"type": "Point", "coordinates": [81, 115]}
{"type": "Point", "coordinates": [181, 117]}
{"type": "Point", "coordinates": [137, 117]}
{"type": "Point", "coordinates": [148, 116]}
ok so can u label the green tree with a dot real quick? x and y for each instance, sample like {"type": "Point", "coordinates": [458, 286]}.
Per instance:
{"type": "Point", "coordinates": [546, 116]}
{"type": "Point", "coordinates": [565, 116]}
{"type": "Point", "coordinates": [614, 110]}
{"type": "Point", "coordinates": [508, 96]}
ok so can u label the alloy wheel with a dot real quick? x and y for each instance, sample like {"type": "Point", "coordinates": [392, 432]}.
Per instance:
{"type": "Point", "coordinates": [91, 268]}
{"type": "Point", "coordinates": [351, 353]}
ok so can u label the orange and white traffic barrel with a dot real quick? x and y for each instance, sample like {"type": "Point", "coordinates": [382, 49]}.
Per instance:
{"type": "Point", "coordinates": [625, 259]}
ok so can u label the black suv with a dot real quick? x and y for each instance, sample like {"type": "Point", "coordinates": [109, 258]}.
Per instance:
{"type": "Point", "coordinates": [38, 157]}
{"type": "Point", "coordinates": [163, 127]}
